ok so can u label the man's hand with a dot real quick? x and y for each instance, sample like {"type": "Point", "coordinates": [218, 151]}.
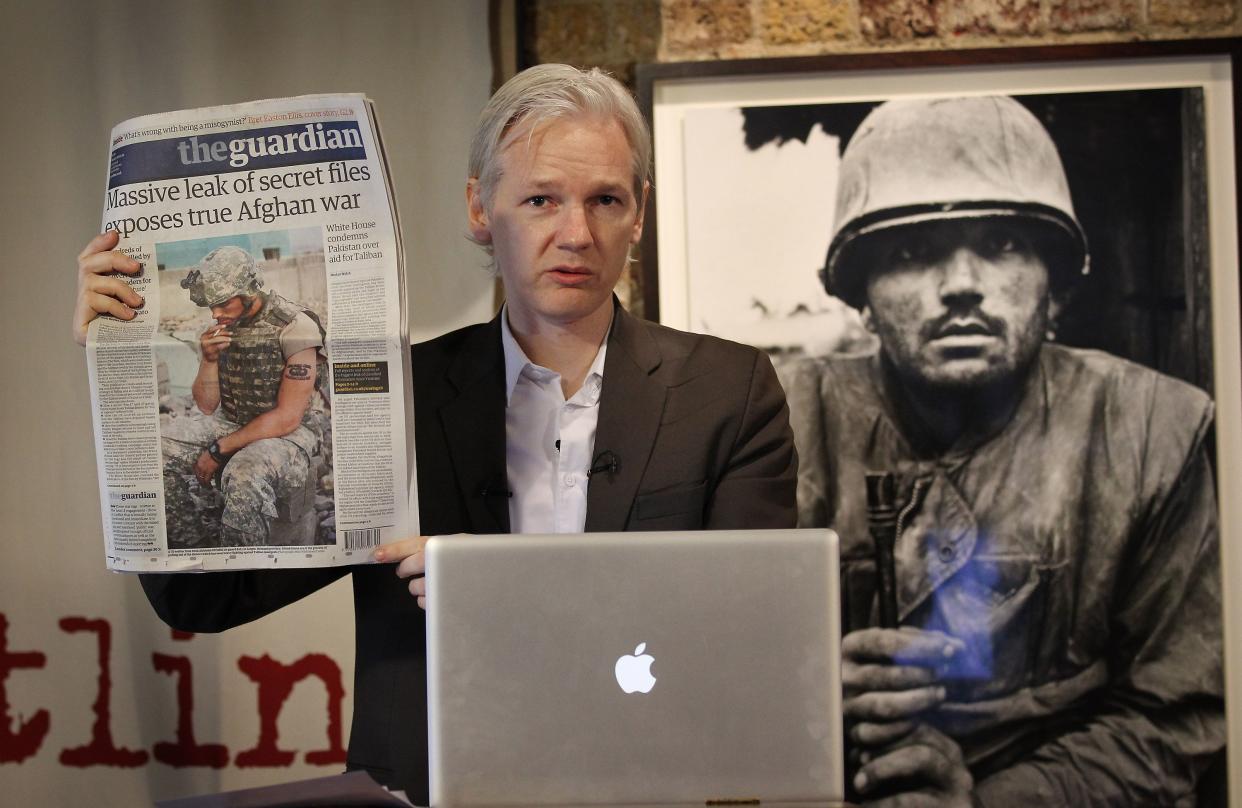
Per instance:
{"type": "Point", "coordinates": [205, 468]}
{"type": "Point", "coordinates": [890, 677]}
{"type": "Point", "coordinates": [99, 291]}
{"type": "Point", "coordinates": [412, 563]}
{"type": "Point", "coordinates": [214, 340]}
{"type": "Point", "coordinates": [922, 770]}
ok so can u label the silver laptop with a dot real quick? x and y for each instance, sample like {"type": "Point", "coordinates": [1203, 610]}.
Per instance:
{"type": "Point", "coordinates": [622, 668]}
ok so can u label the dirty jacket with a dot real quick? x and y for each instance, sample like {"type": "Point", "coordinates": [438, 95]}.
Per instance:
{"type": "Point", "coordinates": [1074, 551]}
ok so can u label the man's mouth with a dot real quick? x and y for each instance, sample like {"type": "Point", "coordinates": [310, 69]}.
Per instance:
{"type": "Point", "coordinates": [964, 328]}
{"type": "Point", "coordinates": [965, 335]}
{"type": "Point", "coordinates": [570, 276]}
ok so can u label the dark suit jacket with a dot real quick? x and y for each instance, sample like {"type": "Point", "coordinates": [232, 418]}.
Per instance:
{"type": "Point", "coordinates": [701, 435]}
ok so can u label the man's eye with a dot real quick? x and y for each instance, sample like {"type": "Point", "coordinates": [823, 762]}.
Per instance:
{"type": "Point", "coordinates": [537, 201]}
{"type": "Point", "coordinates": [1000, 242]}
{"type": "Point", "coordinates": [912, 250]}
{"type": "Point", "coordinates": [609, 199]}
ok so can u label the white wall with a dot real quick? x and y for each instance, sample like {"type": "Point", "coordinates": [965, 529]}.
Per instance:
{"type": "Point", "coordinates": [70, 70]}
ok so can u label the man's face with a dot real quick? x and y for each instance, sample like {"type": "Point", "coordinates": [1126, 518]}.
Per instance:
{"type": "Point", "coordinates": [231, 310]}
{"type": "Point", "coordinates": [957, 303]}
{"type": "Point", "coordinates": [561, 220]}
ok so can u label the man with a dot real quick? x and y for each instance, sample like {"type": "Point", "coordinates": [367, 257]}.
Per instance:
{"type": "Point", "coordinates": [259, 374]}
{"type": "Point", "coordinates": [1057, 588]}
{"type": "Point", "coordinates": [562, 414]}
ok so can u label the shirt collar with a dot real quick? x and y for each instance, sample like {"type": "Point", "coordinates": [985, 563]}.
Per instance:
{"type": "Point", "coordinates": [515, 357]}
{"type": "Point", "coordinates": [516, 362]}
{"type": "Point", "coordinates": [588, 396]}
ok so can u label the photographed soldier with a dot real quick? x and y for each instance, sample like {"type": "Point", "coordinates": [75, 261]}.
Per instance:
{"type": "Point", "coordinates": [259, 375]}
{"type": "Point", "coordinates": [1057, 577]}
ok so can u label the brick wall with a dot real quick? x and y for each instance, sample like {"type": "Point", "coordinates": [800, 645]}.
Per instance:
{"type": "Point", "coordinates": [617, 34]}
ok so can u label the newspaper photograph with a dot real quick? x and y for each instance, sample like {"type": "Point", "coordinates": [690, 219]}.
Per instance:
{"type": "Point", "coordinates": [256, 412]}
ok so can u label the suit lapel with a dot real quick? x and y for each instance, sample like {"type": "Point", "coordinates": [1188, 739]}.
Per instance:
{"type": "Point", "coordinates": [629, 418]}
{"type": "Point", "coordinates": [474, 429]}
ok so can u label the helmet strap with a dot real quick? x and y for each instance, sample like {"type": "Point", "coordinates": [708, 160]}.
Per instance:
{"type": "Point", "coordinates": [253, 311]}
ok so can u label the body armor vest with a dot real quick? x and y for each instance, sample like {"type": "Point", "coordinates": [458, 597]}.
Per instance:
{"type": "Point", "coordinates": [252, 366]}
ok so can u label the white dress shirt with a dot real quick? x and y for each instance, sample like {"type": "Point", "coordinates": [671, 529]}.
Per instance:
{"type": "Point", "coordinates": [548, 441]}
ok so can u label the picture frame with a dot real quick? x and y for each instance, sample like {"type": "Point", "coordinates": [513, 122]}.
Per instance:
{"type": "Point", "coordinates": [696, 252]}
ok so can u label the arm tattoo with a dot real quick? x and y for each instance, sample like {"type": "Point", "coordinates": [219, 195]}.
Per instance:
{"type": "Point", "coordinates": [298, 371]}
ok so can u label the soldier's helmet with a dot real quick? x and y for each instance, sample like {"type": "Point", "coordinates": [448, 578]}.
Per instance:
{"type": "Point", "coordinates": [923, 160]}
{"type": "Point", "coordinates": [225, 272]}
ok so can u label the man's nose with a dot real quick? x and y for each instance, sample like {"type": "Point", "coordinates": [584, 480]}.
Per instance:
{"type": "Point", "coordinates": [575, 230]}
{"type": "Point", "coordinates": [959, 282]}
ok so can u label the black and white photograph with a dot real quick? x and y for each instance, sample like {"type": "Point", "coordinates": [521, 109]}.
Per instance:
{"type": "Point", "coordinates": [1003, 304]}
{"type": "Point", "coordinates": [1136, 159]}
{"type": "Point", "coordinates": [245, 408]}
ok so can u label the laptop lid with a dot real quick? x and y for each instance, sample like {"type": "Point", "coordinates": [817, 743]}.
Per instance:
{"type": "Point", "coordinates": [677, 667]}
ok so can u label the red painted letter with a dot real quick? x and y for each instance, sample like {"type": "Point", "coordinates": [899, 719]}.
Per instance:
{"type": "Point", "coordinates": [100, 751]}
{"type": "Point", "coordinates": [186, 751]}
{"type": "Point", "coordinates": [17, 746]}
{"type": "Point", "coordinates": [276, 682]}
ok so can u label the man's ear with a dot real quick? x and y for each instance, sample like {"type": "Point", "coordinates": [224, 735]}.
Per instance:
{"type": "Point", "coordinates": [868, 320]}
{"type": "Point", "coordinates": [1054, 305]}
{"type": "Point", "coordinates": [476, 212]}
{"type": "Point", "coordinates": [637, 235]}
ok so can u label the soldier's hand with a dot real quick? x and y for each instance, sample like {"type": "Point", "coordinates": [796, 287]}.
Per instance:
{"type": "Point", "coordinates": [99, 290]}
{"type": "Point", "coordinates": [411, 563]}
{"type": "Point", "coordinates": [205, 468]}
{"type": "Point", "coordinates": [890, 677]}
{"type": "Point", "coordinates": [214, 340]}
{"type": "Point", "coordinates": [924, 769]}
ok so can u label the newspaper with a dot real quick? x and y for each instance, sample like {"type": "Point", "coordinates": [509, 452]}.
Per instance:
{"type": "Point", "coordinates": [257, 412]}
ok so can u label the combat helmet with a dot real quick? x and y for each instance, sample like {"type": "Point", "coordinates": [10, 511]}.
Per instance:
{"type": "Point", "coordinates": [921, 160]}
{"type": "Point", "coordinates": [225, 272]}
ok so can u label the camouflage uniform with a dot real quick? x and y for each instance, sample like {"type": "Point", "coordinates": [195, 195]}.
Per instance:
{"type": "Point", "coordinates": [268, 479]}
{"type": "Point", "coordinates": [253, 485]}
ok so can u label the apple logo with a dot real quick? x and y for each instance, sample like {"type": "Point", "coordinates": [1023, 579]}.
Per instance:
{"type": "Point", "coordinates": [634, 671]}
